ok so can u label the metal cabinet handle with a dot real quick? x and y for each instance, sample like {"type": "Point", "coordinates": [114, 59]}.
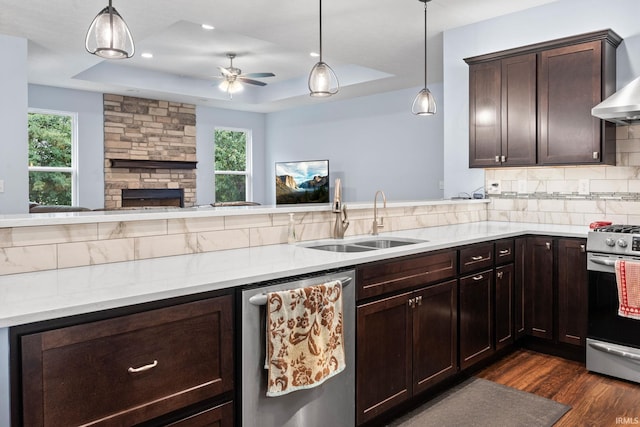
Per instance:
{"type": "Point", "coordinates": [583, 248]}
{"type": "Point", "coordinates": [476, 278]}
{"type": "Point", "coordinates": [132, 370]}
{"type": "Point", "coordinates": [596, 155]}
{"type": "Point", "coordinates": [548, 245]}
{"type": "Point", "coordinates": [497, 159]}
{"type": "Point", "coordinates": [503, 159]}
{"type": "Point", "coordinates": [505, 252]}
{"type": "Point", "coordinates": [500, 274]}
{"type": "Point", "coordinates": [477, 258]}
{"type": "Point", "coordinates": [412, 302]}
{"type": "Point", "coordinates": [419, 300]}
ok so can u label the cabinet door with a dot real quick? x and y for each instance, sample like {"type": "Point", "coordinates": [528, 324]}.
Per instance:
{"type": "Point", "coordinates": [383, 354]}
{"type": "Point", "coordinates": [220, 416]}
{"type": "Point", "coordinates": [484, 114]}
{"type": "Point", "coordinates": [570, 84]}
{"type": "Point", "coordinates": [519, 110]}
{"type": "Point", "coordinates": [520, 252]}
{"type": "Point", "coordinates": [539, 287]}
{"type": "Point", "coordinates": [573, 282]}
{"type": "Point", "coordinates": [504, 306]}
{"type": "Point", "coordinates": [435, 335]}
{"type": "Point", "coordinates": [476, 318]}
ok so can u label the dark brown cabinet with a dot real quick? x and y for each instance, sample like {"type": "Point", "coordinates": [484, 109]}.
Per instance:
{"type": "Point", "coordinates": [519, 296]}
{"type": "Point", "coordinates": [504, 309]}
{"type": "Point", "coordinates": [476, 318]}
{"type": "Point", "coordinates": [407, 342]}
{"type": "Point", "coordinates": [539, 287]}
{"type": "Point", "coordinates": [532, 105]}
{"type": "Point", "coordinates": [573, 282]}
{"type": "Point", "coordinates": [502, 112]}
{"type": "Point", "coordinates": [129, 369]}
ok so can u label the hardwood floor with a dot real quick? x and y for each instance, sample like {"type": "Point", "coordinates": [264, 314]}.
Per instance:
{"type": "Point", "coordinates": [595, 400]}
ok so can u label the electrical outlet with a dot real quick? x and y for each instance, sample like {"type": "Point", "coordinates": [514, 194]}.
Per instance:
{"type": "Point", "coordinates": [1, 185]}
{"type": "Point", "coordinates": [522, 186]}
{"type": "Point", "coordinates": [494, 187]}
{"type": "Point", "coordinates": [583, 186]}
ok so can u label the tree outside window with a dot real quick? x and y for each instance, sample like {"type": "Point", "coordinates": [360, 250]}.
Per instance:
{"type": "Point", "coordinates": [51, 158]}
{"type": "Point", "coordinates": [232, 165]}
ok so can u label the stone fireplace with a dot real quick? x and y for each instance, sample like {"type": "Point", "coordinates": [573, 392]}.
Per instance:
{"type": "Point", "coordinates": [149, 145]}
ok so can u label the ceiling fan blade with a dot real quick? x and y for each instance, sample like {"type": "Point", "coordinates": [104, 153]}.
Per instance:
{"type": "Point", "coordinates": [258, 75]}
{"type": "Point", "coordinates": [251, 82]}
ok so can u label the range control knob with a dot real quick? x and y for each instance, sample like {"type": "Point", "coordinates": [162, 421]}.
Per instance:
{"type": "Point", "coordinates": [610, 241]}
{"type": "Point", "coordinates": [622, 243]}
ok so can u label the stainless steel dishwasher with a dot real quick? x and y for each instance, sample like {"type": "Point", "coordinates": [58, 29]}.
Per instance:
{"type": "Point", "coordinates": [329, 404]}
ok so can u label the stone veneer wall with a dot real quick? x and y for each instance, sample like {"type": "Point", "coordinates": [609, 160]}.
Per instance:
{"type": "Point", "coordinates": [146, 129]}
{"type": "Point", "coordinates": [36, 248]}
{"type": "Point", "coordinates": [552, 193]}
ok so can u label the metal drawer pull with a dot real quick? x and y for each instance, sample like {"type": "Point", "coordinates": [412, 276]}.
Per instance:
{"type": "Point", "coordinates": [620, 353]}
{"type": "Point", "coordinates": [477, 258]}
{"type": "Point", "coordinates": [143, 368]}
{"type": "Point", "coordinates": [548, 245]}
{"type": "Point", "coordinates": [476, 278]}
{"type": "Point", "coordinates": [505, 252]}
{"type": "Point", "coordinates": [583, 248]}
{"type": "Point", "coordinates": [607, 262]}
{"type": "Point", "coordinates": [500, 274]}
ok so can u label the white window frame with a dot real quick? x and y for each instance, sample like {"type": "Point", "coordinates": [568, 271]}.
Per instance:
{"type": "Point", "coordinates": [248, 161]}
{"type": "Point", "coordinates": [73, 169]}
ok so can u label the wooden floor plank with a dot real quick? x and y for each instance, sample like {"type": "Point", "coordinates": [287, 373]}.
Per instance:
{"type": "Point", "coordinates": [595, 400]}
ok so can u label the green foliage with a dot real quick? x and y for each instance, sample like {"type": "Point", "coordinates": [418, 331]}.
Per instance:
{"type": "Point", "coordinates": [230, 155]}
{"type": "Point", "coordinates": [50, 142]}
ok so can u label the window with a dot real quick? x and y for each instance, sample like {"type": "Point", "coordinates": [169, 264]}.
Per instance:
{"type": "Point", "coordinates": [232, 165]}
{"type": "Point", "coordinates": [52, 157]}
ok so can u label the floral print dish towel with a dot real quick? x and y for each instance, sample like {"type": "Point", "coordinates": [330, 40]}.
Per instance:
{"type": "Point", "coordinates": [305, 344]}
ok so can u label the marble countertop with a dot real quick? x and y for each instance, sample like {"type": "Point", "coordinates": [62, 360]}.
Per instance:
{"type": "Point", "coordinates": [31, 297]}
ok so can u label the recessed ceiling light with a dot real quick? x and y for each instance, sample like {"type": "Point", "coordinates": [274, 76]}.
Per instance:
{"type": "Point", "coordinates": [207, 27]}
{"type": "Point", "coordinates": [147, 55]}
{"type": "Point", "coordinates": [314, 54]}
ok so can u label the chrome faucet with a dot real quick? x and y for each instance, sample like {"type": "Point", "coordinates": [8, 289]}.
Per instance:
{"type": "Point", "coordinates": [377, 225]}
{"type": "Point", "coordinates": [342, 223]}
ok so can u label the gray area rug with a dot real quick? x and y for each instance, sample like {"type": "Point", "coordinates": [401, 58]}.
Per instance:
{"type": "Point", "coordinates": [478, 402]}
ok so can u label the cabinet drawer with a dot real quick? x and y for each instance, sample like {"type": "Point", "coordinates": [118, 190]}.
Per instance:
{"type": "Point", "coordinates": [390, 276]}
{"type": "Point", "coordinates": [128, 369]}
{"type": "Point", "coordinates": [476, 257]}
{"type": "Point", "coordinates": [504, 251]}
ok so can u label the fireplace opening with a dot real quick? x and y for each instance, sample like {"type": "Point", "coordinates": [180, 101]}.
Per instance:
{"type": "Point", "coordinates": [145, 197]}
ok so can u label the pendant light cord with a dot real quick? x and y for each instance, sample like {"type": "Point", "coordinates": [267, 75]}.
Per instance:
{"type": "Point", "coordinates": [425, 44]}
{"type": "Point", "coordinates": [320, 30]}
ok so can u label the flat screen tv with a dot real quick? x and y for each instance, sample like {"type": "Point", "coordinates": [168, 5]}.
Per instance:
{"type": "Point", "coordinates": [304, 181]}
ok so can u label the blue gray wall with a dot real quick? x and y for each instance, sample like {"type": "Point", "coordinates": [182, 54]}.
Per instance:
{"type": "Point", "coordinates": [548, 22]}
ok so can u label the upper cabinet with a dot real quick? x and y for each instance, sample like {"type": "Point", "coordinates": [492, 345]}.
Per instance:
{"type": "Point", "coordinates": [532, 105]}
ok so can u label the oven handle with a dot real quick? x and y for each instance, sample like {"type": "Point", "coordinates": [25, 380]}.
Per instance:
{"type": "Point", "coordinates": [261, 299]}
{"type": "Point", "coordinates": [625, 355]}
{"type": "Point", "coordinates": [607, 262]}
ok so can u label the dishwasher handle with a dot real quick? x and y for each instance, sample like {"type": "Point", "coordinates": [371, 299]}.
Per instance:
{"type": "Point", "coordinates": [261, 299]}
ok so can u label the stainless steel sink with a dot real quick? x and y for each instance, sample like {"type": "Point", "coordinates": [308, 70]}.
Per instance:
{"type": "Point", "coordinates": [365, 245]}
{"type": "Point", "coordinates": [341, 248]}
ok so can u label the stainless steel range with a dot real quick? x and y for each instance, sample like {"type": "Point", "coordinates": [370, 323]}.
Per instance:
{"type": "Point", "coordinates": [613, 341]}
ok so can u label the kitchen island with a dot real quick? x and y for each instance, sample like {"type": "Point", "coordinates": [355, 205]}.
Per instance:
{"type": "Point", "coordinates": [46, 295]}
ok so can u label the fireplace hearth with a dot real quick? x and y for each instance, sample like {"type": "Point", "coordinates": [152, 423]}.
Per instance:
{"type": "Point", "coordinates": [152, 197]}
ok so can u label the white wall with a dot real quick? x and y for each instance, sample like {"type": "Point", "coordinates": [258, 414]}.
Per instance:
{"type": "Point", "coordinates": [548, 22]}
{"type": "Point", "coordinates": [89, 106]}
{"type": "Point", "coordinates": [372, 143]}
{"type": "Point", "coordinates": [207, 120]}
{"type": "Point", "coordinates": [13, 121]}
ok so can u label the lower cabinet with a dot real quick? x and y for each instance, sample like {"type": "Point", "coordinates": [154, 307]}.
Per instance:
{"type": "Point", "coordinates": [539, 287]}
{"type": "Point", "coordinates": [573, 286]}
{"type": "Point", "coordinates": [504, 309]}
{"type": "Point", "coordinates": [476, 318]}
{"type": "Point", "coordinates": [405, 344]}
{"type": "Point", "coordinates": [131, 369]}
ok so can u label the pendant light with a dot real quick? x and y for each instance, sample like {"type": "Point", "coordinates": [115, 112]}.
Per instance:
{"type": "Point", "coordinates": [425, 103]}
{"type": "Point", "coordinates": [108, 36]}
{"type": "Point", "coordinates": [322, 79]}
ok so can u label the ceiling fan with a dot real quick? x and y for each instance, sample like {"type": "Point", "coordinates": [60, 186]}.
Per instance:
{"type": "Point", "coordinates": [233, 78]}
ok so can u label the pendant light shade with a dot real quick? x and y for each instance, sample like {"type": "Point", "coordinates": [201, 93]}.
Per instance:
{"type": "Point", "coordinates": [108, 36]}
{"type": "Point", "coordinates": [231, 87]}
{"type": "Point", "coordinates": [425, 103]}
{"type": "Point", "coordinates": [322, 80]}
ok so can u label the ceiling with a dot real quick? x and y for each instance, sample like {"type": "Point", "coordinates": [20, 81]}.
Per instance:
{"type": "Point", "coordinates": [373, 46]}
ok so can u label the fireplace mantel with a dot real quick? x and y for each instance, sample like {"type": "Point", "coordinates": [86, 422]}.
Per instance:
{"type": "Point", "coordinates": [152, 164]}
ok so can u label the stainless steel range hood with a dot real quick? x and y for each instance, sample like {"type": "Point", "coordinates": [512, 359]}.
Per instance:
{"type": "Point", "coordinates": [623, 107]}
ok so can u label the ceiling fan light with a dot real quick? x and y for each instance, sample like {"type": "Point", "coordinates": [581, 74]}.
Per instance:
{"type": "Point", "coordinates": [323, 81]}
{"type": "Point", "coordinates": [424, 104]}
{"type": "Point", "coordinates": [231, 87]}
{"type": "Point", "coordinates": [108, 36]}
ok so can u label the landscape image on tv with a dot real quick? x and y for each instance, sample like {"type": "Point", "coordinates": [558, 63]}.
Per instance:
{"type": "Point", "coordinates": [302, 182]}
